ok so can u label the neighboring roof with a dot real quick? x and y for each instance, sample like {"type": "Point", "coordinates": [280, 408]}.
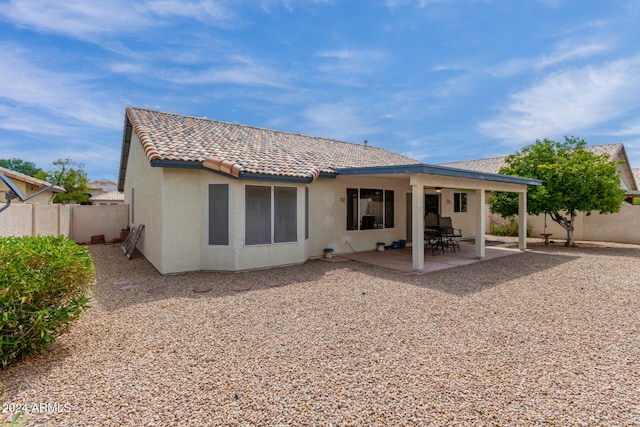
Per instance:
{"type": "Point", "coordinates": [173, 140]}
{"type": "Point", "coordinates": [489, 165]}
{"type": "Point", "coordinates": [102, 184]}
{"type": "Point", "coordinates": [493, 164]}
{"type": "Point", "coordinates": [112, 196]}
{"type": "Point", "coordinates": [30, 180]}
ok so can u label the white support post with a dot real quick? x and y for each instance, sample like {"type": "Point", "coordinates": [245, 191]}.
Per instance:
{"type": "Point", "coordinates": [417, 226]}
{"type": "Point", "coordinates": [522, 220]}
{"type": "Point", "coordinates": [481, 218]}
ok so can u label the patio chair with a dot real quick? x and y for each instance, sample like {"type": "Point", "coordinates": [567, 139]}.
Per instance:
{"type": "Point", "coordinates": [451, 236]}
{"type": "Point", "coordinates": [432, 233]}
{"type": "Point", "coordinates": [433, 240]}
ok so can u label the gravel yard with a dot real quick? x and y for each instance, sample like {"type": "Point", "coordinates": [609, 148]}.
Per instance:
{"type": "Point", "coordinates": [550, 336]}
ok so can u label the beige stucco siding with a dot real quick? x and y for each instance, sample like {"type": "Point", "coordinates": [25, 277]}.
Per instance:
{"type": "Point", "coordinates": [186, 226]}
{"type": "Point", "coordinates": [16, 220]}
{"type": "Point", "coordinates": [173, 204]}
{"type": "Point", "coordinates": [328, 215]}
{"type": "Point", "coordinates": [93, 220]}
{"type": "Point", "coordinates": [44, 198]}
{"type": "Point", "coordinates": [465, 221]}
{"type": "Point", "coordinates": [146, 206]}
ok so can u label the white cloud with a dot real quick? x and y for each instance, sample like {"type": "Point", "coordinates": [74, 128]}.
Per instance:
{"type": "Point", "coordinates": [352, 61]}
{"type": "Point", "coordinates": [343, 120]}
{"type": "Point", "coordinates": [77, 18]}
{"type": "Point", "coordinates": [392, 4]}
{"type": "Point", "coordinates": [569, 102]}
{"type": "Point", "coordinates": [631, 128]}
{"type": "Point", "coordinates": [242, 70]}
{"type": "Point", "coordinates": [563, 52]}
{"type": "Point", "coordinates": [205, 10]}
{"type": "Point", "coordinates": [63, 95]}
{"type": "Point", "coordinates": [86, 19]}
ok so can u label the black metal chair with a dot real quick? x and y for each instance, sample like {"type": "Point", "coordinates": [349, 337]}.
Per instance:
{"type": "Point", "coordinates": [451, 236]}
{"type": "Point", "coordinates": [432, 234]}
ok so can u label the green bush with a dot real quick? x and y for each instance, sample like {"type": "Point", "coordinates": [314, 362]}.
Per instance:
{"type": "Point", "coordinates": [44, 286]}
{"type": "Point", "coordinates": [509, 229]}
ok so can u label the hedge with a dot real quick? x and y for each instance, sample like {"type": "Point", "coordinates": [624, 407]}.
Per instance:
{"type": "Point", "coordinates": [44, 286]}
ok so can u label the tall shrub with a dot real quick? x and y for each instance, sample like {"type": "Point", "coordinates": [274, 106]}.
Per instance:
{"type": "Point", "coordinates": [44, 286]}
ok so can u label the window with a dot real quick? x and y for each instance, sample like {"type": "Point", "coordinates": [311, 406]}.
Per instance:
{"type": "Point", "coordinates": [218, 214]}
{"type": "Point", "coordinates": [271, 215]}
{"type": "Point", "coordinates": [306, 213]}
{"type": "Point", "coordinates": [369, 209]}
{"type": "Point", "coordinates": [285, 223]}
{"type": "Point", "coordinates": [460, 202]}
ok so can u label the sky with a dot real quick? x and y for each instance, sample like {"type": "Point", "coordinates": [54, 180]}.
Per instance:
{"type": "Point", "coordinates": [436, 80]}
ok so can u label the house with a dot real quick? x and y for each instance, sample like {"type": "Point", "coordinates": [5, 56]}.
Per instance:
{"type": "Point", "coordinates": [222, 196]}
{"type": "Point", "coordinates": [633, 197]}
{"type": "Point", "coordinates": [101, 186]}
{"type": "Point", "coordinates": [110, 198]}
{"type": "Point", "coordinates": [615, 152]}
{"type": "Point", "coordinates": [28, 186]}
{"type": "Point", "coordinates": [588, 226]}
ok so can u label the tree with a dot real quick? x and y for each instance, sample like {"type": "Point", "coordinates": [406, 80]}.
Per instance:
{"type": "Point", "coordinates": [71, 176]}
{"type": "Point", "coordinates": [574, 180]}
{"type": "Point", "coordinates": [19, 165]}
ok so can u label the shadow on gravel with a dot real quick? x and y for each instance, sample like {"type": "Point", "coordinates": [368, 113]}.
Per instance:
{"type": "Point", "coordinates": [472, 278]}
{"type": "Point", "coordinates": [122, 282]}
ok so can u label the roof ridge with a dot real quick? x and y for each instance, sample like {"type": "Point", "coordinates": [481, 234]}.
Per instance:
{"type": "Point", "coordinates": [259, 128]}
{"type": "Point", "coordinates": [476, 160]}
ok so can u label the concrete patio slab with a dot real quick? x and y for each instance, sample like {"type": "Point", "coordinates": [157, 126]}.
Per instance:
{"type": "Point", "coordinates": [400, 259]}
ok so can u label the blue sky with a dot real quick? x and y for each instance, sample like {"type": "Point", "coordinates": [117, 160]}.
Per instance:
{"type": "Point", "coordinates": [437, 80]}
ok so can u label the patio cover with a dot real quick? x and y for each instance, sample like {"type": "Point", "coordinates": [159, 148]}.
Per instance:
{"type": "Point", "coordinates": [423, 176]}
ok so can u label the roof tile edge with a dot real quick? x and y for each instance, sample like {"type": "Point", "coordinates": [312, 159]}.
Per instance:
{"type": "Point", "coordinates": [145, 140]}
{"type": "Point", "coordinates": [225, 166]}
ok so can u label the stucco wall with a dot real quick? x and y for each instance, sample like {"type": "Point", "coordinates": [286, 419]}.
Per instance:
{"type": "Point", "coordinates": [16, 220]}
{"type": "Point", "coordinates": [465, 221]}
{"type": "Point", "coordinates": [145, 203]}
{"type": "Point", "coordinates": [54, 220]}
{"type": "Point", "coordinates": [328, 215]}
{"type": "Point", "coordinates": [98, 220]}
{"type": "Point", "coordinates": [184, 219]}
{"type": "Point", "coordinates": [186, 226]}
{"type": "Point", "coordinates": [46, 220]}
{"type": "Point", "coordinates": [623, 225]}
{"type": "Point", "coordinates": [618, 227]}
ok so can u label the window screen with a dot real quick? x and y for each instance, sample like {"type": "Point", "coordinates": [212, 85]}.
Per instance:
{"type": "Point", "coordinates": [388, 209]}
{"type": "Point", "coordinates": [218, 214]}
{"type": "Point", "coordinates": [257, 215]}
{"type": "Point", "coordinates": [285, 227]}
{"type": "Point", "coordinates": [306, 213]}
{"type": "Point", "coordinates": [352, 209]}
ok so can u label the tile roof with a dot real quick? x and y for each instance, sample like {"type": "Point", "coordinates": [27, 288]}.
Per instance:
{"type": "Point", "coordinates": [489, 165]}
{"type": "Point", "coordinates": [110, 196]}
{"type": "Point", "coordinates": [493, 164]}
{"type": "Point", "coordinates": [30, 180]}
{"type": "Point", "coordinates": [102, 184]}
{"type": "Point", "coordinates": [236, 149]}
